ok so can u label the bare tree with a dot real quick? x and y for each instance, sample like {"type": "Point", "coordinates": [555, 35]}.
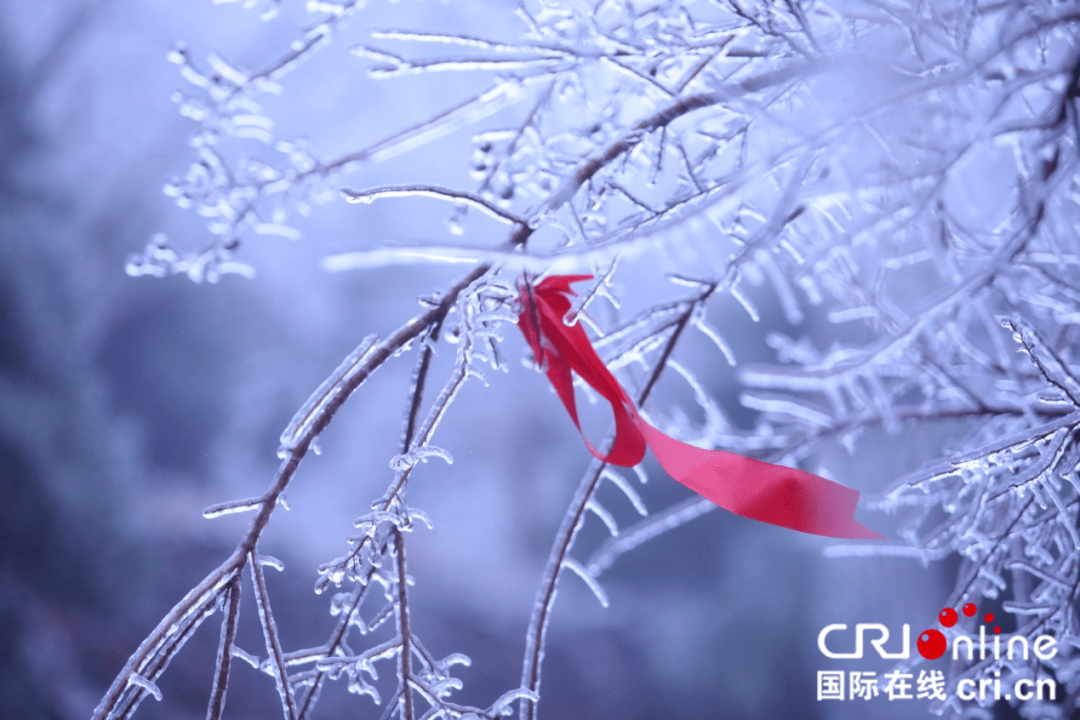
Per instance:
{"type": "Point", "coordinates": [905, 170]}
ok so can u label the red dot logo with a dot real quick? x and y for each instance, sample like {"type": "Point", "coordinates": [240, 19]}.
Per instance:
{"type": "Point", "coordinates": [969, 609]}
{"type": "Point", "coordinates": [989, 617]}
{"type": "Point", "coordinates": [931, 644]}
{"type": "Point", "coordinates": [947, 617]}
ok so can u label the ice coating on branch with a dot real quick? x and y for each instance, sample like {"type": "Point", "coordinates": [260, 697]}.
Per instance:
{"type": "Point", "coordinates": [592, 582]}
{"type": "Point", "coordinates": [232, 507]}
{"type": "Point", "coordinates": [247, 657]}
{"type": "Point", "coordinates": [740, 294]}
{"type": "Point", "coordinates": [141, 682]}
{"type": "Point", "coordinates": [714, 335]}
{"type": "Point", "coordinates": [627, 489]}
{"type": "Point", "coordinates": [302, 422]}
{"type": "Point", "coordinates": [606, 517]}
{"type": "Point", "coordinates": [421, 454]}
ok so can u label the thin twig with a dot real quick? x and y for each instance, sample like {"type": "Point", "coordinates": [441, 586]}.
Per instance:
{"type": "Point", "coordinates": [458, 196]}
{"type": "Point", "coordinates": [403, 624]}
{"type": "Point", "coordinates": [225, 654]}
{"type": "Point", "coordinates": [273, 643]}
{"type": "Point", "coordinates": [564, 539]}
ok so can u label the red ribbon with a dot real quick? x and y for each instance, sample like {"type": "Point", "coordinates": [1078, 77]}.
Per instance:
{"type": "Point", "coordinates": [754, 489]}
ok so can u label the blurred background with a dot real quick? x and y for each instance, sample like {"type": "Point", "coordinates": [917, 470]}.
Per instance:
{"type": "Point", "coordinates": [128, 404]}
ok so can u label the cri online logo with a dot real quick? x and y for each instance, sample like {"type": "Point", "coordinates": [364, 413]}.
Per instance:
{"type": "Point", "coordinates": [932, 643]}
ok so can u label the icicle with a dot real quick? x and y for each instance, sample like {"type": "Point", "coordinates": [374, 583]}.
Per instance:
{"type": "Point", "coordinates": [327, 8]}
{"type": "Point", "coordinates": [400, 463]}
{"type": "Point", "coordinates": [748, 306]}
{"type": "Point", "coordinates": [809, 286]}
{"type": "Point", "coordinates": [232, 507]}
{"type": "Point", "coordinates": [147, 685]}
{"type": "Point", "coordinates": [358, 686]}
{"type": "Point", "coordinates": [790, 305]}
{"type": "Point", "coordinates": [1063, 514]}
{"type": "Point", "coordinates": [689, 282]}
{"type": "Point", "coordinates": [642, 476]}
{"type": "Point", "coordinates": [601, 512]}
{"type": "Point", "coordinates": [454, 659]}
{"type": "Point", "coordinates": [373, 519]}
{"type": "Point", "coordinates": [579, 305]}
{"type": "Point", "coordinates": [993, 577]}
{"type": "Point", "coordinates": [247, 657]}
{"type": "Point", "coordinates": [502, 705]}
{"type": "Point", "coordinates": [782, 406]}
{"type": "Point", "coordinates": [631, 494]}
{"type": "Point", "coordinates": [715, 419]}
{"type": "Point", "coordinates": [418, 514]}
{"type": "Point", "coordinates": [844, 551]}
{"type": "Point", "coordinates": [581, 572]}
{"type": "Point", "coordinates": [710, 332]}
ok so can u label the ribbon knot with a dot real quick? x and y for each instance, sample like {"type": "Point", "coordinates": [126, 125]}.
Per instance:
{"type": "Point", "coordinates": [775, 494]}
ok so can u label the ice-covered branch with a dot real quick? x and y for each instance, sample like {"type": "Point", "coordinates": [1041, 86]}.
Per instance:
{"type": "Point", "coordinates": [166, 640]}
{"type": "Point", "coordinates": [878, 188]}
{"type": "Point", "coordinates": [571, 525]}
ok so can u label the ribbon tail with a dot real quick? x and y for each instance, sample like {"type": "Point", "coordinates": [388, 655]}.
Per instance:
{"type": "Point", "coordinates": [758, 490]}
{"type": "Point", "coordinates": [628, 447]}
